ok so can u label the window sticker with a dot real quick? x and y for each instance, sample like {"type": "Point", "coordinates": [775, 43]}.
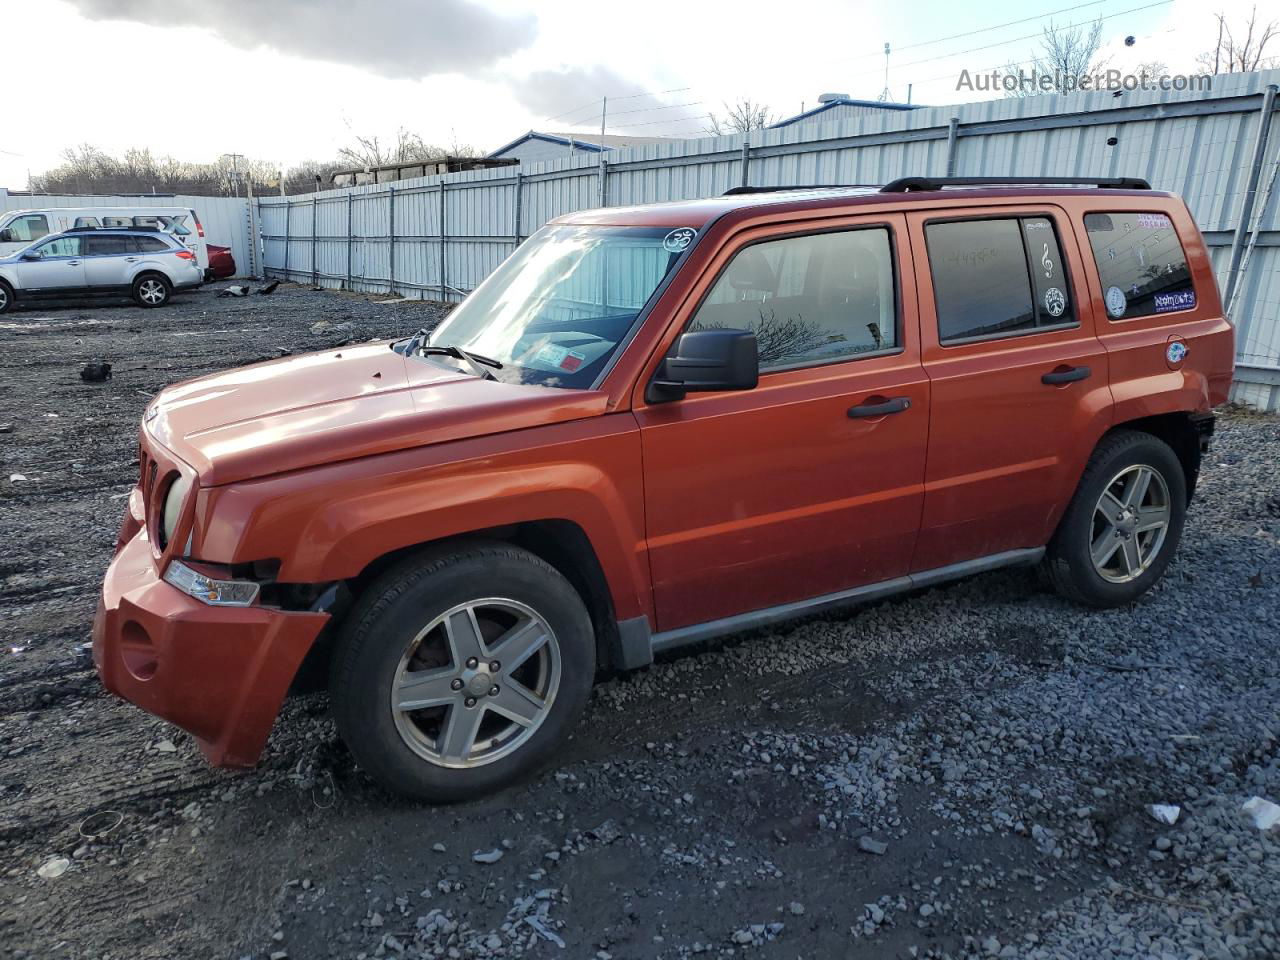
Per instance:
{"type": "Point", "coordinates": [1116, 302]}
{"type": "Point", "coordinates": [678, 240]}
{"type": "Point", "coordinates": [561, 357]}
{"type": "Point", "coordinates": [1055, 301]}
{"type": "Point", "coordinates": [1178, 300]}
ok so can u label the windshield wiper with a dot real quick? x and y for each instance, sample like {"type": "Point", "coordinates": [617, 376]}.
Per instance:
{"type": "Point", "coordinates": [478, 362]}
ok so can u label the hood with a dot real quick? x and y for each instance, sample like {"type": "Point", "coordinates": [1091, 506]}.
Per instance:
{"type": "Point", "coordinates": [339, 405]}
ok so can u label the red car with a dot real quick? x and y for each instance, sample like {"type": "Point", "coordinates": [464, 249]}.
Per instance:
{"type": "Point", "coordinates": [221, 263]}
{"type": "Point", "coordinates": [655, 425]}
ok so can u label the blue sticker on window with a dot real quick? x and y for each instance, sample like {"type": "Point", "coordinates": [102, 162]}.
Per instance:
{"type": "Point", "coordinates": [1181, 300]}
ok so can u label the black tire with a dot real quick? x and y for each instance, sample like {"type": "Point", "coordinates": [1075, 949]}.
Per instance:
{"type": "Point", "coordinates": [6, 297]}
{"type": "Point", "coordinates": [400, 604]}
{"type": "Point", "coordinates": [1068, 565]}
{"type": "Point", "coordinates": [145, 283]}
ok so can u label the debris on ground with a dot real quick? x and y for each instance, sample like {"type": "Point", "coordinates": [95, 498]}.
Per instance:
{"type": "Point", "coordinates": [235, 291]}
{"type": "Point", "coordinates": [869, 845]}
{"type": "Point", "coordinates": [53, 868]}
{"type": "Point", "coordinates": [269, 289]}
{"type": "Point", "coordinates": [487, 856]}
{"type": "Point", "coordinates": [95, 372]}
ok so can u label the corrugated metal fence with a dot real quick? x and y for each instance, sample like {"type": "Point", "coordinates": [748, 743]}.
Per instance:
{"type": "Point", "coordinates": [440, 236]}
{"type": "Point", "coordinates": [225, 219]}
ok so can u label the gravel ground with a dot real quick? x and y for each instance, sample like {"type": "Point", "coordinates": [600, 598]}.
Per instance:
{"type": "Point", "coordinates": [963, 772]}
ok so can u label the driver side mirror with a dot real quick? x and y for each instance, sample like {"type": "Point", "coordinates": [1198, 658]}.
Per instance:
{"type": "Point", "coordinates": [6, 235]}
{"type": "Point", "coordinates": [705, 361]}
{"type": "Point", "coordinates": [30, 256]}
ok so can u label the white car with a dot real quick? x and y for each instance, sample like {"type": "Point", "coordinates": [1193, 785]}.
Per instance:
{"type": "Point", "coordinates": [147, 265]}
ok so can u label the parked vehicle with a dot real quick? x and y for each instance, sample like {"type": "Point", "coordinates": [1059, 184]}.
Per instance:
{"type": "Point", "coordinates": [655, 425]}
{"type": "Point", "coordinates": [221, 263]}
{"type": "Point", "coordinates": [19, 228]}
{"type": "Point", "coordinates": [144, 264]}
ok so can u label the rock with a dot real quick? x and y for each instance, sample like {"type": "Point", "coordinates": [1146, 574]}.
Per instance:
{"type": "Point", "coordinates": [926, 909]}
{"type": "Point", "coordinates": [166, 746]}
{"type": "Point", "coordinates": [796, 908]}
{"type": "Point", "coordinates": [487, 856]}
{"type": "Point", "coordinates": [1166, 813]}
{"type": "Point", "coordinates": [54, 868]}
{"type": "Point", "coordinates": [868, 845]}
{"type": "Point", "coordinates": [742, 936]}
{"type": "Point", "coordinates": [438, 847]}
{"type": "Point", "coordinates": [1264, 813]}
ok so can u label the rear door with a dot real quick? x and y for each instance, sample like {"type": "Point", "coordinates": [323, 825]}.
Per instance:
{"type": "Point", "coordinates": [55, 265]}
{"type": "Point", "coordinates": [811, 483]}
{"type": "Point", "coordinates": [1019, 378]}
{"type": "Point", "coordinates": [107, 260]}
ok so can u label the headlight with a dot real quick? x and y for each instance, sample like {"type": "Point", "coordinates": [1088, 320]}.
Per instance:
{"type": "Point", "coordinates": [217, 593]}
{"type": "Point", "coordinates": [173, 501]}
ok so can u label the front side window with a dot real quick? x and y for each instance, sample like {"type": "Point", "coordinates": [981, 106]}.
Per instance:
{"type": "Point", "coordinates": [809, 299]}
{"type": "Point", "coordinates": [556, 310]}
{"type": "Point", "coordinates": [59, 247]}
{"type": "Point", "coordinates": [33, 226]}
{"type": "Point", "coordinates": [995, 278]}
{"type": "Point", "coordinates": [1141, 264]}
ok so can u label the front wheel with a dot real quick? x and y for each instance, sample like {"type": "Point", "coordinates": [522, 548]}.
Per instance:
{"type": "Point", "coordinates": [152, 290]}
{"type": "Point", "coordinates": [1124, 522]}
{"type": "Point", "coordinates": [459, 672]}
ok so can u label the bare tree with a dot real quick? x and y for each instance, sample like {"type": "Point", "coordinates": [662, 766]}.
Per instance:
{"type": "Point", "coordinates": [404, 147]}
{"type": "Point", "coordinates": [1066, 53]}
{"type": "Point", "coordinates": [1148, 71]}
{"type": "Point", "coordinates": [1243, 49]}
{"type": "Point", "coordinates": [741, 117]}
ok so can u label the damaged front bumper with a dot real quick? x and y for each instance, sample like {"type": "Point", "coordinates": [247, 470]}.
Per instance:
{"type": "Point", "coordinates": [219, 673]}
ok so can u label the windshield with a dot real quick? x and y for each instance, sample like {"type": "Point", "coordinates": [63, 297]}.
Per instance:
{"type": "Point", "coordinates": [556, 310]}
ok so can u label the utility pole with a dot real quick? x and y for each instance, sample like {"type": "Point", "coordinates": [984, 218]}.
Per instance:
{"type": "Point", "coordinates": [235, 159]}
{"type": "Point", "coordinates": [604, 109]}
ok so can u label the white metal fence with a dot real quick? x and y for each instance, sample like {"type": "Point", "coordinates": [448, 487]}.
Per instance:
{"type": "Point", "coordinates": [225, 219]}
{"type": "Point", "coordinates": [440, 236]}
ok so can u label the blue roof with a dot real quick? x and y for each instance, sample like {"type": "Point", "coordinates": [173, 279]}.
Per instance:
{"type": "Point", "coordinates": [549, 138]}
{"type": "Point", "coordinates": [823, 107]}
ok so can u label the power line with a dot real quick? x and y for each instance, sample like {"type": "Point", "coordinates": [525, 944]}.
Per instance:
{"type": "Point", "coordinates": [1002, 43]}
{"type": "Point", "coordinates": [629, 96]}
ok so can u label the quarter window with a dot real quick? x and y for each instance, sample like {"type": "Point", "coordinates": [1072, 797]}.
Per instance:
{"type": "Point", "coordinates": [150, 244]}
{"type": "Point", "coordinates": [1141, 264]}
{"type": "Point", "coordinates": [810, 299]}
{"type": "Point", "coordinates": [993, 278]}
{"type": "Point", "coordinates": [31, 227]}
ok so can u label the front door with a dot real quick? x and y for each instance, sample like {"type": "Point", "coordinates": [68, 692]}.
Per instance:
{"type": "Point", "coordinates": [1019, 379]}
{"type": "Point", "coordinates": [54, 265]}
{"type": "Point", "coordinates": [811, 483]}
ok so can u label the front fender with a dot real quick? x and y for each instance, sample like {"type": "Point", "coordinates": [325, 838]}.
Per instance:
{"type": "Point", "coordinates": [329, 523]}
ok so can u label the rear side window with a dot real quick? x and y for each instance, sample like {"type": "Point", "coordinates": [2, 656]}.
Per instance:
{"type": "Point", "coordinates": [1141, 264]}
{"type": "Point", "coordinates": [994, 278]}
{"type": "Point", "coordinates": [106, 246]}
{"type": "Point", "coordinates": [809, 299]}
{"type": "Point", "coordinates": [150, 244]}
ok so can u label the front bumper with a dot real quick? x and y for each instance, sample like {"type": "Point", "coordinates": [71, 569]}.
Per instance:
{"type": "Point", "coordinates": [219, 673]}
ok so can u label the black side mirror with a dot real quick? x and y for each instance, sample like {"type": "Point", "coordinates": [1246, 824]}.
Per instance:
{"type": "Point", "coordinates": [30, 256]}
{"type": "Point", "coordinates": [6, 235]}
{"type": "Point", "coordinates": [707, 360]}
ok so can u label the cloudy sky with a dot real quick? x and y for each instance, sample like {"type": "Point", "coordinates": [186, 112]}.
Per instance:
{"type": "Point", "coordinates": [288, 80]}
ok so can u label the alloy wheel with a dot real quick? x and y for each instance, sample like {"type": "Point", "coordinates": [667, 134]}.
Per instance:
{"type": "Point", "coordinates": [151, 291]}
{"type": "Point", "coordinates": [476, 683]}
{"type": "Point", "coordinates": [1130, 524]}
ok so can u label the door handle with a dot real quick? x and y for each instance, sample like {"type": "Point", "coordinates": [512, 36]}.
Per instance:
{"type": "Point", "coordinates": [881, 408]}
{"type": "Point", "coordinates": [130, 259]}
{"type": "Point", "coordinates": [1070, 375]}
{"type": "Point", "coordinates": [73, 263]}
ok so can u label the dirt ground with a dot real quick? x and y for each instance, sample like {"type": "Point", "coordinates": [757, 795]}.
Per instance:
{"type": "Point", "coordinates": [966, 771]}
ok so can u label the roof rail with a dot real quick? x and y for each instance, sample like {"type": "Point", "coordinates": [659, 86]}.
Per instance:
{"type": "Point", "coordinates": [908, 184]}
{"type": "Point", "coordinates": [92, 229]}
{"type": "Point", "coordinates": [738, 191]}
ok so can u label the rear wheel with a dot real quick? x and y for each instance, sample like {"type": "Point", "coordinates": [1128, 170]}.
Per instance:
{"type": "Point", "coordinates": [462, 671]}
{"type": "Point", "coordinates": [152, 290]}
{"type": "Point", "coordinates": [6, 297]}
{"type": "Point", "coordinates": [1123, 525]}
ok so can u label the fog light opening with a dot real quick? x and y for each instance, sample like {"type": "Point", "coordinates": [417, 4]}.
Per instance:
{"type": "Point", "coordinates": [137, 652]}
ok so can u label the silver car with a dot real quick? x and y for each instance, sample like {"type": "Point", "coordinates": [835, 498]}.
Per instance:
{"type": "Point", "coordinates": [144, 264]}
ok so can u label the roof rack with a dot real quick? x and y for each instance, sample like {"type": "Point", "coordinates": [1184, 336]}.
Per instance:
{"type": "Point", "coordinates": [908, 184]}
{"type": "Point", "coordinates": [738, 191]}
{"type": "Point", "coordinates": [92, 229]}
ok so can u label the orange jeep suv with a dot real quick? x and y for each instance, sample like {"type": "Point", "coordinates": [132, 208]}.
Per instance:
{"type": "Point", "coordinates": [657, 424]}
